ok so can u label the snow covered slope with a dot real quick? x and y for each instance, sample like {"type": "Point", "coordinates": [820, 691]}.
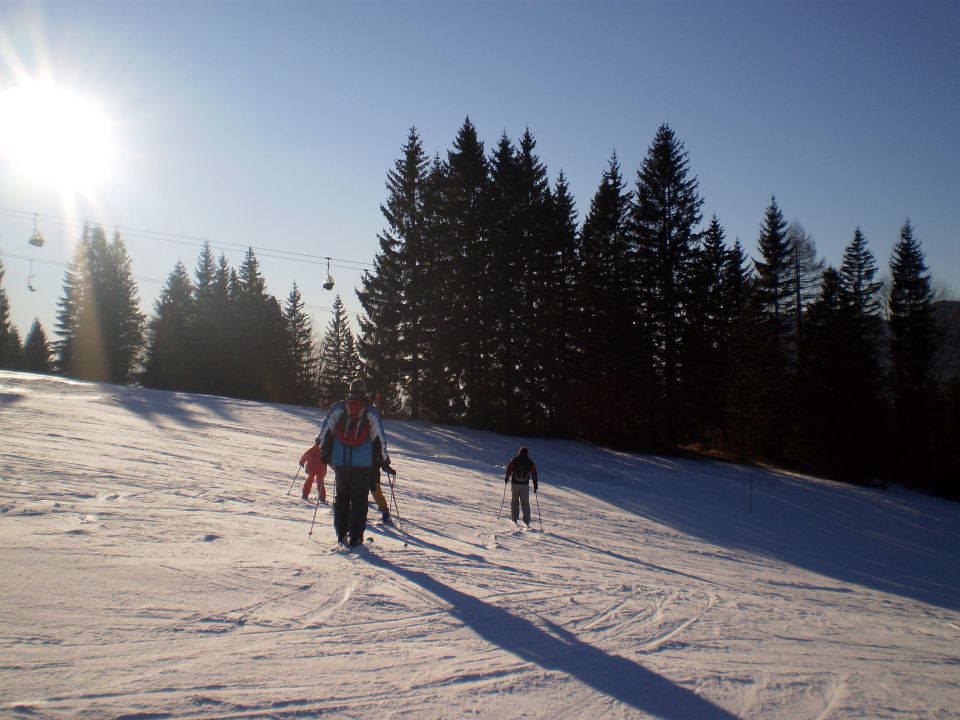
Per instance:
{"type": "Point", "coordinates": [154, 566]}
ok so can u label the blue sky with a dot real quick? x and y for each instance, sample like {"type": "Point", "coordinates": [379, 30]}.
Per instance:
{"type": "Point", "coordinates": [273, 124]}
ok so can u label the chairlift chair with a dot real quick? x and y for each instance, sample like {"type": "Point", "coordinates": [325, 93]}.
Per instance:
{"type": "Point", "coordinates": [328, 285]}
{"type": "Point", "coordinates": [36, 239]}
{"type": "Point", "coordinates": [30, 277]}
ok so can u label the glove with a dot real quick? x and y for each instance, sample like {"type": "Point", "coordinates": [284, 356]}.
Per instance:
{"type": "Point", "coordinates": [387, 468]}
{"type": "Point", "coordinates": [535, 487]}
{"type": "Point", "coordinates": [301, 464]}
{"type": "Point", "coordinates": [506, 480]}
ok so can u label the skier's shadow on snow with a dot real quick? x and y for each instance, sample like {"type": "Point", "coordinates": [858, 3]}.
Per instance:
{"type": "Point", "coordinates": [557, 649]}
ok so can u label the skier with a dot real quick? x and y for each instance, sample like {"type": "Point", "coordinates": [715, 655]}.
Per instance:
{"type": "Point", "coordinates": [519, 472]}
{"type": "Point", "coordinates": [316, 469]}
{"type": "Point", "coordinates": [382, 505]}
{"type": "Point", "coordinates": [353, 442]}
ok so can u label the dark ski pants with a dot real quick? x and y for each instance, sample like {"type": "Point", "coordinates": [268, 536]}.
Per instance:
{"type": "Point", "coordinates": [520, 498]}
{"type": "Point", "coordinates": [351, 485]}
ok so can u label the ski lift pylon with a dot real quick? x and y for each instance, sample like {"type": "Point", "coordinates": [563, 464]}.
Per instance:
{"type": "Point", "coordinates": [36, 239]}
{"type": "Point", "coordinates": [328, 285]}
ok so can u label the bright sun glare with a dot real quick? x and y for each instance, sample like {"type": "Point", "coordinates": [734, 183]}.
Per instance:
{"type": "Point", "coordinates": [56, 138]}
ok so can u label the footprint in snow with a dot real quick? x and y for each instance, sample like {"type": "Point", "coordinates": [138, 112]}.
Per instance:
{"type": "Point", "coordinates": [210, 537]}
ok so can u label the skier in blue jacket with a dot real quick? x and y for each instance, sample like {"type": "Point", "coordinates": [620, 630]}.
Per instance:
{"type": "Point", "coordinates": [354, 443]}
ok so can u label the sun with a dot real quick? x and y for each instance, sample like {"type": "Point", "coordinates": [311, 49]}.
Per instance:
{"type": "Point", "coordinates": [53, 137]}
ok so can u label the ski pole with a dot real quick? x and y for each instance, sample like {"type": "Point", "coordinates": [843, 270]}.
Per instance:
{"type": "Point", "coordinates": [314, 516]}
{"type": "Point", "coordinates": [294, 479]}
{"type": "Point", "coordinates": [393, 495]}
{"type": "Point", "coordinates": [502, 500]}
{"type": "Point", "coordinates": [539, 517]}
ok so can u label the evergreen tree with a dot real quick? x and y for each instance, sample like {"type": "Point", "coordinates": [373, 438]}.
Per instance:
{"type": "Point", "coordinates": [561, 341]}
{"type": "Point", "coordinates": [774, 281]}
{"type": "Point", "coordinates": [859, 368]}
{"type": "Point", "coordinates": [302, 358]}
{"type": "Point", "coordinates": [532, 294]}
{"type": "Point", "coordinates": [339, 361]}
{"type": "Point", "coordinates": [741, 326]}
{"type": "Point", "coordinates": [823, 412]}
{"type": "Point", "coordinates": [504, 280]}
{"type": "Point", "coordinates": [708, 351]}
{"type": "Point", "coordinates": [462, 242]}
{"type": "Point", "coordinates": [663, 226]}
{"type": "Point", "coordinates": [126, 336]}
{"type": "Point", "coordinates": [806, 273]}
{"type": "Point", "coordinates": [260, 336]}
{"type": "Point", "coordinates": [208, 336]}
{"type": "Point", "coordinates": [774, 349]}
{"type": "Point", "coordinates": [606, 297]}
{"type": "Point", "coordinates": [435, 268]}
{"type": "Point", "coordinates": [68, 309]}
{"type": "Point", "coordinates": [36, 350]}
{"type": "Point", "coordinates": [9, 337]}
{"type": "Point", "coordinates": [393, 340]}
{"type": "Point", "coordinates": [99, 319]}
{"type": "Point", "coordinates": [170, 361]}
{"type": "Point", "coordinates": [860, 288]}
{"type": "Point", "coordinates": [912, 345]}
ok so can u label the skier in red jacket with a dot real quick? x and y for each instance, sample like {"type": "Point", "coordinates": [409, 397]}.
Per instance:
{"type": "Point", "coordinates": [316, 470]}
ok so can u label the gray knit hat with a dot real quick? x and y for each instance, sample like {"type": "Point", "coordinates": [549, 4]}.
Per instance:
{"type": "Point", "coordinates": [358, 389]}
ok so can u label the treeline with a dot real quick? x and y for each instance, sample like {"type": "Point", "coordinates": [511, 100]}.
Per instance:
{"type": "Point", "coordinates": [218, 333]}
{"type": "Point", "coordinates": [644, 328]}
{"type": "Point", "coordinates": [490, 304]}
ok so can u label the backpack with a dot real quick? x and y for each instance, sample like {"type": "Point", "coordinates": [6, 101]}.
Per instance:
{"type": "Point", "coordinates": [353, 427]}
{"type": "Point", "coordinates": [521, 468]}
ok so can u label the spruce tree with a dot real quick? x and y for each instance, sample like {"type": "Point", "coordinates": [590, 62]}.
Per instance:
{"type": "Point", "coordinates": [535, 283]}
{"type": "Point", "coordinates": [462, 243]}
{"type": "Point", "coordinates": [9, 337]}
{"type": "Point", "coordinates": [260, 336]}
{"type": "Point", "coordinates": [170, 361]}
{"type": "Point", "coordinates": [775, 348]}
{"type": "Point", "coordinates": [664, 220]}
{"type": "Point", "coordinates": [436, 264]}
{"type": "Point", "coordinates": [860, 367]}
{"type": "Point", "coordinates": [774, 281]}
{"type": "Point", "coordinates": [127, 334]}
{"type": "Point", "coordinates": [606, 298]}
{"type": "Point", "coordinates": [823, 413]}
{"type": "Point", "coordinates": [504, 279]}
{"type": "Point", "coordinates": [806, 273]}
{"type": "Point", "coordinates": [68, 309]}
{"type": "Point", "coordinates": [561, 341]}
{"type": "Point", "coordinates": [339, 361]}
{"type": "Point", "coordinates": [740, 315]}
{"type": "Point", "coordinates": [99, 320]}
{"type": "Point", "coordinates": [37, 356]}
{"type": "Point", "coordinates": [708, 364]}
{"type": "Point", "coordinates": [393, 337]}
{"type": "Point", "coordinates": [302, 355]}
{"type": "Point", "coordinates": [912, 346]}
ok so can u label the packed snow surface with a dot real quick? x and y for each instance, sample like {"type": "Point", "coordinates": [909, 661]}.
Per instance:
{"type": "Point", "coordinates": [157, 562]}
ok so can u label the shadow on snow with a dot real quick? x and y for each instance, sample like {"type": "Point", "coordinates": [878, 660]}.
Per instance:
{"type": "Point", "coordinates": [559, 650]}
{"type": "Point", "coordinates": [894, 541]}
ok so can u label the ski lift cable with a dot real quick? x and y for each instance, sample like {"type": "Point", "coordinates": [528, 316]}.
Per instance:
{"type": "Point", "coordinates": [194, 240]}
{"type": "Point", "coordinates": [60, 263]}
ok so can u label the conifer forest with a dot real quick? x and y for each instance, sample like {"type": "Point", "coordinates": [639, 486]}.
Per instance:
{"type": "Point", "coordinates": [491, 304]}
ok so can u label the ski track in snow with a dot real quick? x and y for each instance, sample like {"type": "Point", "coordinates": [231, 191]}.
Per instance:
{"type": "Point", "coordinates": [155, 566]}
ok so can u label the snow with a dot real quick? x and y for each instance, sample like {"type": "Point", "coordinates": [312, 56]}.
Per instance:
{"type": "Point", "coordinates": [155, 566]}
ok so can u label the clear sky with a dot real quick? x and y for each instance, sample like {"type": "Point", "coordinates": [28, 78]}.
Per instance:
{"type": "Point", "coordinates": [273, 124]}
